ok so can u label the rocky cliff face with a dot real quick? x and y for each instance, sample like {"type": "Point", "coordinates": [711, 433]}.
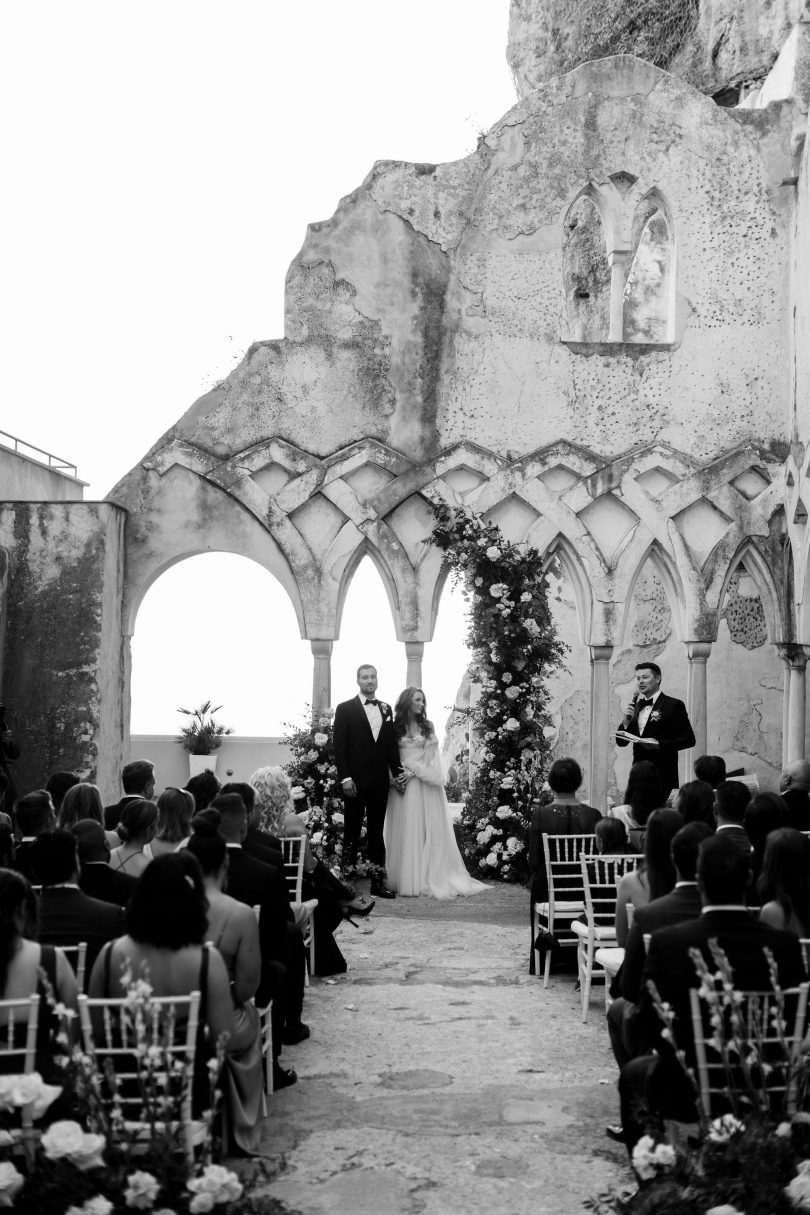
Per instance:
{"type": "Point", "coordinates": [716, 45]}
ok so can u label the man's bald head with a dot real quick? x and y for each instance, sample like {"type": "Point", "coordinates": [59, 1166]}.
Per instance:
{"type": "Point", "coordinates": [795, 775]}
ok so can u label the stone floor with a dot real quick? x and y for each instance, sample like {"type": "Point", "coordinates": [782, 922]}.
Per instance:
{"type": "Point", "coordinates": [441, 1078]}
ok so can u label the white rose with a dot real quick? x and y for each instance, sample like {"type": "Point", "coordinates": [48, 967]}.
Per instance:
{"type": "Point", "coordinates": [11, 1181]}
{"type": "Point", "coordinates": [506, 677]}
{"type": "Point", "coordinates": [201, 1203]}
{"type": "Point", "coordinates": [296, 793]}
{"type": "Point", "coordinates": [491, 859]}
{"type": "Point", "coordinates": [493, 553]}
{"type": "Point", "coordinates": [479, 581]}
{"type": "Point", "coordinates": [511, 724]}
{"type": "Point", "coordinates": [317, 838]}
{"type": "Point", "coordinates": [532, 627]}
{"type": "Point", "coordinates": [503, 812]}
{"type": "Point", "coordinates": [97, 1206]}
{"type": "Point", "coordinates": [497, 590]}
{"type": "Point", "coordinates": [512, 693]}
{"type": "Point", "coordinates": [67, 1140]}
{"type": "Point", "coordinates": [725, 1209]}
{"type": "Point", "coordinates": [722, 1129]}
{"type": "Point", "coordinates": [664, 1155]}
{"type": "Point", "coordinates": [643, 1159]}
{"type": "Point", "coordinates": [142, 1190]}
{"type": "Point", "coordinates": [526, 597]}
{"type": "Point", "coordinates": [320, 740]}
{"type": "Point", "coordinates": [337, 818]}
{"type": "Point", "coordinates": [799, 1189]}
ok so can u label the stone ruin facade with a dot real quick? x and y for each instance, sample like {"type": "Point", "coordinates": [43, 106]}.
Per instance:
{"type": "Point", "coordinates": [594, 329]}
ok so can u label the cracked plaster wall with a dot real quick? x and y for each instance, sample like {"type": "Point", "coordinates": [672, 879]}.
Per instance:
{"type": "Point", "coordinates": [63, 676]}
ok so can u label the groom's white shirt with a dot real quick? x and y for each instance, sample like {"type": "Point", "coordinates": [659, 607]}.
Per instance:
{"type": "Point", "coordinates": [374, 716]}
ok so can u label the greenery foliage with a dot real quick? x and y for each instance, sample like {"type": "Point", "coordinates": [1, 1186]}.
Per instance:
{"type": "Point", "coordinates": [203, 734]}
{"type": "Point", "coordinates": [513, 649]}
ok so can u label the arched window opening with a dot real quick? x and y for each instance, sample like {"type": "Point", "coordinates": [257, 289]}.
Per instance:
{"type": "Point", "coordinates": [586, 274]}
{"type": "Point", "coordinates": [648, 289]}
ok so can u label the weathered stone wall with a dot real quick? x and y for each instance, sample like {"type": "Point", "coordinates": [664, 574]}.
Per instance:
{"type": "Point", "coordinates": [713, 44]}
{"type": "Point", "coordinates": [25, 480]}
{"type": "Point", "coordinates": [63, 675]}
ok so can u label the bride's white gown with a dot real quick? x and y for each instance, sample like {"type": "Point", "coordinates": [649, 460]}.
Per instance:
{"type": "Point", "coordinates": [422, 855]}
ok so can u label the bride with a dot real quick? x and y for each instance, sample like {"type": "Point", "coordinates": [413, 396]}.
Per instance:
{"type": "Point", "coordinates": [421, 849]}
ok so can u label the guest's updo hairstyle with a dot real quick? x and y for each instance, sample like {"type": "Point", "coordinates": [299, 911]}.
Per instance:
{"type": "Point", "coordinates": [206, 844]}
{"type": "Point", "coordinates": [16, 897]}
{"type": "Point", "coordinates": [137, 820]}
{"type": "Point", "coordinates": [168, 908]}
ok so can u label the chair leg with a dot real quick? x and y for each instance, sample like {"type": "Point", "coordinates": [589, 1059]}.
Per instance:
{"type": "Point", "coordinates": [547, 963]}
{"type": "Point", "coordinates": [586, 981]}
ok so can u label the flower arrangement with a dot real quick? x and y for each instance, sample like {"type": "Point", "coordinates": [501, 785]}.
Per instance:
{"type": "Point", "coordinates": [753, 1160]}
{"type": "Point", "coordinates": [513, 649]}
{"type": "Point", "coordinates": [94, 1162]}
{"type": "Point", "coordinates": [316, 788]}
{"type": "Point", "coordinates": [203, 734]}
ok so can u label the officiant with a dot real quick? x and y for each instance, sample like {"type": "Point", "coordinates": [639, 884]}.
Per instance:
{"type": "Point", "coordinates": [657, 725]}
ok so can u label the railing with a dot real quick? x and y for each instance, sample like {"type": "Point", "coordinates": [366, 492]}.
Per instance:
{"type": "Point", "coordinates": [12, 443]}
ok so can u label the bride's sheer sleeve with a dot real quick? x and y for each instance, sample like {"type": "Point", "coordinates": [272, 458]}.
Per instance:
{"type": "Point", "coordinates": [429, 768]}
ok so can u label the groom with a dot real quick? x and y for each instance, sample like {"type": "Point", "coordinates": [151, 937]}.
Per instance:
{"type": "Point", "coordinates": [365, 749]}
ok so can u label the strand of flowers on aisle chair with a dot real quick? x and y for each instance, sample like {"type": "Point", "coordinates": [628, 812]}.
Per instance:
{"type": "Point", "coordinates": [292, 847]}
{"type": "Point", "coordinates": [566, 897]}
{"type": "Point", "coordinates": [601, 875]}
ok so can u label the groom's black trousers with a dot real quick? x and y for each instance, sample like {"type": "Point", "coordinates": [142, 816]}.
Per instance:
{"type": "Point", "coordinates": [370, 804]}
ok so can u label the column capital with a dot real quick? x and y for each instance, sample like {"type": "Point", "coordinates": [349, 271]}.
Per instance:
{"type": "Point", "coordinates": [415, 649]}
{"type": "Point", "coordinates": [793, 654]}
{"type": "Point", "coordinates": [321, 647]}
{"type": "Point", "coordinates": [601, 653]}
{"type": "Point", "coordinates": [698, 651]}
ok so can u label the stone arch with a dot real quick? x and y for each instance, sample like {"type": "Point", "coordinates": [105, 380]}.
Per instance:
{"type": "Point", "coordinates": [667, 572]}
{"type": "Point", "coordinates": [569, 559]}
{"type": "Point", "coordinates": [367, 549]}
{"type": "Point", "coordinates": [649, 289]}
{"type": "Point", "coordinates": [755, 565]}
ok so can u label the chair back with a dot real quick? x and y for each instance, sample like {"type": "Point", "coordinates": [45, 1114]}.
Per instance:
{"type": "Point", "coordinates": [19, 1020]}
{"type": "Point", "coordinates": [112, 1030]}
{"type": "Point", "coordinates": [77, 956]}
{"type": "Point", "coordinates": [805, 944]}
{"type": "Point", "coordinates": [776, 1034]}
{"type": "Point", "coordinates": [563, 871]}
{"type": "Point", "coordinates": [292, 848]}
{"type": "Point", "coordinates": [601, 874]}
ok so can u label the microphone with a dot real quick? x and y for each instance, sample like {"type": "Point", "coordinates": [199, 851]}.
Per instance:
{"type": "Point", "coordinates": [633, 703]}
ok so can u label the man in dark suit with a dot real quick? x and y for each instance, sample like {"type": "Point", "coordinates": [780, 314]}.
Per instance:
{"type": "Point", "coordinates": [657, 1081]}
{"type": "Point", "coordinates": [33, 815]}
{"type": "Point", "coordinates": [66, 914]}
{"type": "Point", "coordinates": [96, 878]}
{"type": "Point", "coordinates": [682, 903]}
{"type": "Point", "coordinates": [657, 725]}
{"type": "Point", "coordinates": [261, 844]}
{"type": "Point", "coordinates": [280, 941]}
{"type": "Point", "coordinates": [138, 779]}
{"type": "Point", "coordinates": [730, 800]}
{"type": "Point", "coordinates": [794, 785]}
{"type": "Point", "coordinates": [366, 752]}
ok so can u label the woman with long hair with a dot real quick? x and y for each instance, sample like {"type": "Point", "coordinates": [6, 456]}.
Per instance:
{"type": "Point", "coordinates": [336, 900]}
{"type": "Point", "coordinates": [764, 814]}
{"type": "Point", "coordinates": [136, 827]}
{"type": "Point", "coordinates": [234, 932]}
{"type": "Point", "coordinates": [655, 875]}
{"type": "Point", "coordinates": [175, 810]}
{"type": "Point", "coordinates": [27, 967]}
{"type": "Point", "coordinates": [642, 795]}
{"type": "Point", "coordinates": [84, 801]}
{"type": "Point", "coordinates": [421, 849]}
{"type": "Point", "coordinates": [784, 884]}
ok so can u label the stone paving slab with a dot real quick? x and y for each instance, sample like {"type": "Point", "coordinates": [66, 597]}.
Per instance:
{"type": "Point", "coordinates": [441, 1078]}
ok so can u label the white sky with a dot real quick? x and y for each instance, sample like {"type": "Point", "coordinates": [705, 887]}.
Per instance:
{"type": "Point", "coordinates": [161, 162]}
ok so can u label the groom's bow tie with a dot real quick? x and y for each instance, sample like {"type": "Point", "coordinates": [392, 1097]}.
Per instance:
{"type": "Point", "coordinates": [645, 704]}
{"type": "Point", "coordinates": [373, 702]}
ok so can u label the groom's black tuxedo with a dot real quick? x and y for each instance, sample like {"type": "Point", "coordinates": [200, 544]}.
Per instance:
{"type": "Point", "coordinates": [669, 724]}
{"type": "Point", "coordinates": [367, 761]}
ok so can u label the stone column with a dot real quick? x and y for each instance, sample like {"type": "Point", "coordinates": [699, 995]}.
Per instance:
{"type": "Point", "coordinates": [321, 675]}
{"type": "Point", "coordinates": [414, 652]}
{"type": "Point", "coordinates": [601, 726]}
{"type": "Point", "coordinates": [698, 652]}
{"type": "Point", "coordinates": [618, 261]}
{"type": "Point", "coordinates": [780, 649]}
{"type": "Point", "coordinates": [797, 701]}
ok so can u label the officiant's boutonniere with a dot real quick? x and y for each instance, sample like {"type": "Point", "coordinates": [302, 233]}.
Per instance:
{"type": "Point", "coordinates": [655, 715]}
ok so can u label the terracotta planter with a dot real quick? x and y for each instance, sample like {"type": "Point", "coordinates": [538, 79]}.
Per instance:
{"type": "Point", "coordinates": [198, 763]}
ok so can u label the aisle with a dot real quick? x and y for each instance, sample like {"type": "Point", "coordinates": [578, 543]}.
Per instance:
{"type": "Point", "coordinates": [440, 1078]}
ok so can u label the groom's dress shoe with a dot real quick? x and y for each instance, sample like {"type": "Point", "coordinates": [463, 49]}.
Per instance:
{"type": "Point", "coordinates": [381, 891]}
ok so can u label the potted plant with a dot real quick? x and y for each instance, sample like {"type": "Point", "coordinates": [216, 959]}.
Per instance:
{"type": "Point", "coordinates": [202, 736]}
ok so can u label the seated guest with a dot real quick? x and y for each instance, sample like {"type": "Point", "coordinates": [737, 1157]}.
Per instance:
{"type": "Point", "coordinates": [565, 815]}
{"type": "Point", "coordinates": [136, 827]}
{"type": "Point", "coordinates": [33, 815]}
{"type": "Point", "coordinates": [6, 846]}
{"type": "Point", "coordinates": [58, 784]}
{"type": "Point", "coordinates": [138, 779]}
{"type": "Point", "coordinates": [730, 800]}
{"type": "Point", "coordinates": [611, 836]}
{"type": "Point", "coordinates": [96, 878]}
{"type": "Point", "coordinates": [794, 785]}
{"type": "Point", "coordinates": [25, 966]}
{"type": "Point", "coordinates": [256, 836]}
{"type": "Point", "coordinates": [251, 882]}
{"type": "Point", "coordinates": [83, 801]}
{"type": "Point", "coordinates": [711, 769]}
{"type": "Point", "coordinates": [175, 810]}
{"type": "Point", "coordinates": [766, 812]}
{"type": "Point", "coordinates": [165, 930]}
{"type": "Point", "coordinates": [66, 914]}
{"type": "Point", "coordinates": [694, 801]}
{"type": "Point", "coordinates": [655, 875]}
{"type": "Point", "coordinates": [203, 788]}
{"type": "Point", "coordinates": [784, 883]}
{"type": "Point", "coordinates": [642, 795]}
{"type": "Point", "coordinates": [681, 903]}
{"type": "Point", "coordinates": [233, 929]}
{"type": "Point", "coordinates": [657, 1081]}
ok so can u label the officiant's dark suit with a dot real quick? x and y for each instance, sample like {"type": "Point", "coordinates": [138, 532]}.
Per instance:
{"type": "Point", "coordinates": [661, 718]}
{"type": "Point", "coordinates": [363, 763]}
